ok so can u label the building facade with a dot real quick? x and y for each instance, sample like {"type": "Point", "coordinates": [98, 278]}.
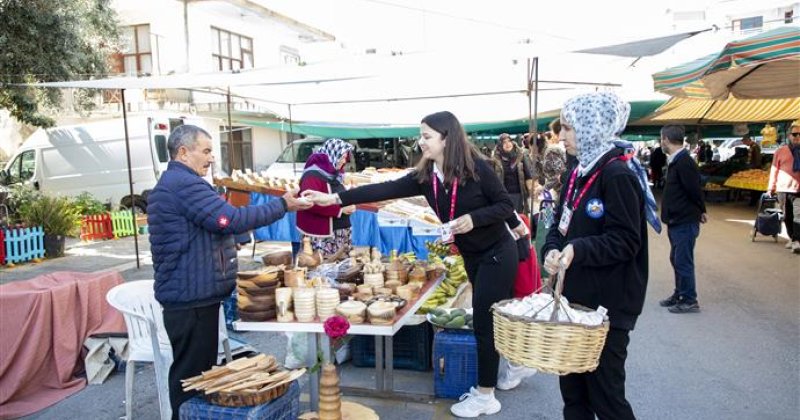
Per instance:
{"type": "Point", "coordinates": [162, 37]}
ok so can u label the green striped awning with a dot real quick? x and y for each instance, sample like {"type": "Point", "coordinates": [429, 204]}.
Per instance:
{"type": "Point", "coordinates": [764, 66]}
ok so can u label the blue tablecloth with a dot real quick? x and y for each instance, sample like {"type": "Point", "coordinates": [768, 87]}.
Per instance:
{"type": "Point", "coordinates": [366, 231]}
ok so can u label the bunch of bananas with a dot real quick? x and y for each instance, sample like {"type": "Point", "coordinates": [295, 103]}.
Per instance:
{"type": "Point", "coordinates": [456, 275]}
{"type": "Point", "coordinates": [437, 248]}
{"type": "Point", "coordinates": [408, 256]}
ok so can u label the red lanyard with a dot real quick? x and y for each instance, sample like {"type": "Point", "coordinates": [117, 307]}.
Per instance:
{"type": "Point", "coordinates": [452, 197]}
{"type": "Point", "coordinates": [575, 201]}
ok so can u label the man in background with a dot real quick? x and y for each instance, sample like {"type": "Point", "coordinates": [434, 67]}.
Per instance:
{"type": "Point", "coordinates": [682, 210]}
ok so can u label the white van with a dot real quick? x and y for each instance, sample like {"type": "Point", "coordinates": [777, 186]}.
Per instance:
{"type": "Point", "coordinates": [91, 157]}
{"type": "Point", "coordinates": [293, 158]}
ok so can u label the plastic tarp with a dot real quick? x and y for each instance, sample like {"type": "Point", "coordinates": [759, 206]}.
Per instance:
{"type": "Point", "coordinates": [366, 231]}
{"type": "Point", "coordinates": [639, 109]}
{"type": "Point", "coordinates": [731, 110]}
{"type": "Point", "coordinates": [763, 66]}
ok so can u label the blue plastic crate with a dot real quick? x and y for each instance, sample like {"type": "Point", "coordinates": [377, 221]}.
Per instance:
{"type": "Point", "coordinates": [411, 348]}
{"type": "Point", "coordinates": [455, 363]}
{"type": "Point", "coordinates": [287, 407]}
{"type": "Point", "coordinates": [231, 309]}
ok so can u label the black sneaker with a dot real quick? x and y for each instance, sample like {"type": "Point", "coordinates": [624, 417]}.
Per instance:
{"type": "Point", "coordinates": [685, 307]}
{"type": "Point", "coordinates": [670, 301]}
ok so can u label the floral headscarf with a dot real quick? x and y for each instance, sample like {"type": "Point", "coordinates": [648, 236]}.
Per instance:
{"type": "Point", "coordinates": [324, 160]}
{"type": "Point", "coordinates": [598, 119]}
{"type": "Point", "coordinates": [336, 149]}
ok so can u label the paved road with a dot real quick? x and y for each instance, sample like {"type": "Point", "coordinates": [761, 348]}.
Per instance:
{"type": "Point", "coordinates": [738, 358]}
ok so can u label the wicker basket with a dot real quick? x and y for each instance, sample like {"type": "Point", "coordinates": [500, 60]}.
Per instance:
{"type": "Point", "coordinates": [242, 399]}
{"type": "Point", "coordinates": [552, 347]}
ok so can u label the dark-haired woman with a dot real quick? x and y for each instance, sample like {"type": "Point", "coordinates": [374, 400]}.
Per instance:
{"type": "Point", "coordinates": [463, 190]}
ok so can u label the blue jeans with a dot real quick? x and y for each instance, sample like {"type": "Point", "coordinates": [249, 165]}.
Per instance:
{"type": "Point", "coordinates": [682, 239]}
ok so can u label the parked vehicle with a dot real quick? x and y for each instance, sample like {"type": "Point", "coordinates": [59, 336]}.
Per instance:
{"type": "Point", "coordinates": [728, 149]}
{"type": "Point", "coordinates": [92, 157]}
{"type": "Point", "coordinates": [378, 153]}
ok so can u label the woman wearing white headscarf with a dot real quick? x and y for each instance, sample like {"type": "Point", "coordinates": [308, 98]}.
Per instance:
{"type": "Point", "coordinates": [600, 240]}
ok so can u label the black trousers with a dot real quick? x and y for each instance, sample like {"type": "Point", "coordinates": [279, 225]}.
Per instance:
{"type": "Point", "coordinates": [194, 335]}
{"type": "Point", "coordinates": [492, 275]}
{"type": "Point", "coordinates": [788, 216]}
{"type": "Point", "coordinates": [601, 392]}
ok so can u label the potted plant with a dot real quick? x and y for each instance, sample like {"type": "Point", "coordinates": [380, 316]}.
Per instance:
{"type": "Point", "coordinates": [57, 216]}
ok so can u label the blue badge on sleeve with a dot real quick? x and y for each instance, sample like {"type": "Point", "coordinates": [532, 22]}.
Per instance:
{"type": "Point", "coordinates": [594, 208]}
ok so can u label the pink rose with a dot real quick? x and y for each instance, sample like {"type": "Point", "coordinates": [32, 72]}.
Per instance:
{"type": "Point", "coordinates": [336, 326]}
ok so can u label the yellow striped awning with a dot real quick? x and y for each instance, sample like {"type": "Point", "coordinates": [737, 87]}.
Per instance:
{"type": "Point", "coordinates": [731, 110]}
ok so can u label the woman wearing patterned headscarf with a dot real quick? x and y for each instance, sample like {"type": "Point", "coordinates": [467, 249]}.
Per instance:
{"type": "Point", "coordinates": [600, 243]}
{"type": "Point", "coordinates": [328, 227]}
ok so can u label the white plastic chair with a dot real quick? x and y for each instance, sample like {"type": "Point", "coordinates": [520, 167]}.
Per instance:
{"type": "Point", "coordinates": [143, 315]}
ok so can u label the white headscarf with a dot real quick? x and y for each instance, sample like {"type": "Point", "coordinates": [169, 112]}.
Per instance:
{"type": "Point", "coordinates": [598, 119]}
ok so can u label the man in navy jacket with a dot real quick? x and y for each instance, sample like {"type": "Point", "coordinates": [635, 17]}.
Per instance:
{"type": "Point", "coordinates": [194, 254]}
{"type": "Point", "coordinates": [682, 210]}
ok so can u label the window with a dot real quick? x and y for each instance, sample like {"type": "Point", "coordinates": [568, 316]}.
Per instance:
{"type": "Point", "coordinates": [240, 145]}
{"type": "Point", "coordinates": [788, 16]}
{"type": "Point", "coordinates": [748, 24]}
{"type": "Point", "coordinates": [302, 151]}
{"type": "Point", "coordinates": [230, 51]}
{"type": "Point", "coordinates": [161, 148]}
{"type": "Point", "coordinates": [23, 167]}
{"type": "Point", "coordinates": [136, 54]}
{"type": "Point", "coordinates": [289, 56]}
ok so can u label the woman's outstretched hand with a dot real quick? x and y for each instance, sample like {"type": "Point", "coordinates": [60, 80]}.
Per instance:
{"type": "Point", "coordinates": [320, 198]}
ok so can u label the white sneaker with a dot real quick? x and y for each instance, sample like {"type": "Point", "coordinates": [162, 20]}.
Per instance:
{"type": "Point", "coordinates": [788, 245]}
{"type": "Point", "coordinates": [511, 375]}
{"type": "Point", "coordinates": [796, 247]}
{"type": "Point", "coordinates": [474, 403]}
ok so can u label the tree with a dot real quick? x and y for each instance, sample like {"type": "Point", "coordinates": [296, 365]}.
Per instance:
{"type": "Point", "coordinates": [48, 41]}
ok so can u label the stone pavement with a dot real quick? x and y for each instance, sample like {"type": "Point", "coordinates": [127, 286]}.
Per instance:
{"type": "Point", "coordinates": [738, 358]}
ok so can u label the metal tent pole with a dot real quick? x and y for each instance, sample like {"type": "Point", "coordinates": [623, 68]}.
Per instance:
{"type": "Point", "coordinates": [536, 95]}
{"type": "Point", "coordinates": [130, 176]}
{"type": "Point", "coordinates": [528, 89]}
{"type": "Point", "coordinates": [291, 139]}
{"type": "Point", "coordinates": [230, 133]}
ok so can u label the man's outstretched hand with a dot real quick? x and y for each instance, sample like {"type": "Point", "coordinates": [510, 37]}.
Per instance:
{"type": "Point", "coordinates": [293, 203]}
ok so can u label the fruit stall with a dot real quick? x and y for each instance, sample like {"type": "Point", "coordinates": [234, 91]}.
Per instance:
{"type": "Point", "coordinates": [752, 179]}
{"type": "Point", "coordinates": [378, 295]}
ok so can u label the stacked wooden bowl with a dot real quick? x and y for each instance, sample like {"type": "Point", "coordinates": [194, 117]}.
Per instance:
{"type": "Point", "coordinates": [327, 301]}
{"type": "Point", "coordinates": [305, 308]}
{"type": "Point", "coordinates": [256, 295]}
{"type": "Point", "coordinates": [417, 275]}
{"type": "Point", "coordinates": [396, 272]}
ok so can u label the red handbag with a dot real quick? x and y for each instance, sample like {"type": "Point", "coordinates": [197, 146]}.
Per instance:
{"type": "Point", "coordinates": [529, 279]}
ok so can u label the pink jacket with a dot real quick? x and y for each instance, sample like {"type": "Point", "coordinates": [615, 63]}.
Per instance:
{"type": "Point", "coordinates": [781, 176]}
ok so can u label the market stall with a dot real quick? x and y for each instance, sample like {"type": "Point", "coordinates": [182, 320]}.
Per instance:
{"type": "Point", "coordinates": [403, 225]}
{"type": "Point", "coordinates": [377, 295]}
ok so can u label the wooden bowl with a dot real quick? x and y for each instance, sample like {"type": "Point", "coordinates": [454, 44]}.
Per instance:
{"type": "Point", "coordinates": [257, 316]}
{"type": "Point", "coordinates": [381, 313]}
{"type": "Point", "coordinates": [277, 258]}
{"type": "Point", "coordinates": [252, 288]}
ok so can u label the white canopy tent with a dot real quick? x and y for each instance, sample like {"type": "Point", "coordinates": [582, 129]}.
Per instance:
{"type": "Point", "coordinates": [493, 85]}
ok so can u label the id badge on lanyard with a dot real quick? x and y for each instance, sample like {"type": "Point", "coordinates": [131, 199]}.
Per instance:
{"type": "Point", "coordinates": [566, 211]}
{"type": "Point", "coordinates": [446, 236]}
{"type": "Point", "coordinates": [566, 218]}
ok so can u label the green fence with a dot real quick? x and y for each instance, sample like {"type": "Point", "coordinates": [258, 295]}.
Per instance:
{"type": "Point", "coordinates": [122, 223]}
